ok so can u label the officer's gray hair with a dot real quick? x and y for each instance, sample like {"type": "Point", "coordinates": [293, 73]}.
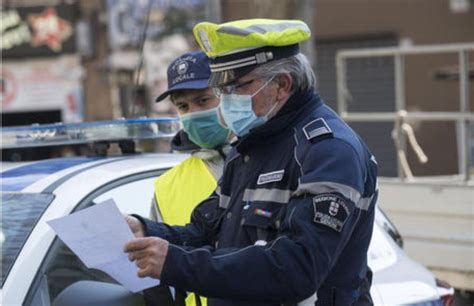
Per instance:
{"type": "Point", "coordinates": [297, 66]}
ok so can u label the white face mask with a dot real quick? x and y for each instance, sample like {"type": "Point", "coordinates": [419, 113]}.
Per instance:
{"type": "Point", "coordinates": [238, 114]}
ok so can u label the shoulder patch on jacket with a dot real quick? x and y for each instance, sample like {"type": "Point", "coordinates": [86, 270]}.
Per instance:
{"type": "Point", "coordinates": [330, 210]}
{"type": "Point", "coordinates": [316, 128]}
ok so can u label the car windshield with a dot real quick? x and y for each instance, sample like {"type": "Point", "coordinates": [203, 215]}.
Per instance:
{"type": "Point", "coordinates": [20, 213]}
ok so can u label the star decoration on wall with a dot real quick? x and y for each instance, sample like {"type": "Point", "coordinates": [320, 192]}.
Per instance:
{"type": "Point", "coordinates": [49, 29]}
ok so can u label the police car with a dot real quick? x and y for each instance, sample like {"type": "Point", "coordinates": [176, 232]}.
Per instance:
{"type": "Point", "coordinates": [38, 269]}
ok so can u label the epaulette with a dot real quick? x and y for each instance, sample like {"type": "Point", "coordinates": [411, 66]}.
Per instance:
{"type": "Point", "coordinates": [316, 130]}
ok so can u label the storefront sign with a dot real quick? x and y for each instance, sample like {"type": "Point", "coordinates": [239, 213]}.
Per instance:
{"type": "Point", "coordinates": [43, 85]}
{"type": "Point", "coordinates": [37, 31]}
{"type": "Point", "coordinates": [127, 18]}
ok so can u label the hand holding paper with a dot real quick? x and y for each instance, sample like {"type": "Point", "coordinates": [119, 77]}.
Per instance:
{"type": "Point", "coordinates": [97, 236]}
{"type": "Point", "coordinates": [135, 225]}
{"type": "Point", "coordinates": [149, 254]}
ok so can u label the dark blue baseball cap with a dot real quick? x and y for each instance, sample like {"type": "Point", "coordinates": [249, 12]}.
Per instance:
{"type": "Point", "coordinates": [189, 71]}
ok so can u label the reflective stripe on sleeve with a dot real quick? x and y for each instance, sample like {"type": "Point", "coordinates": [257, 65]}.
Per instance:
{"type": "Point", "coordinates": [328, 187]}
{"type": "Point", "coordinates": [364, 203]}
{"type": "Point", "coordinates": [267, 195]}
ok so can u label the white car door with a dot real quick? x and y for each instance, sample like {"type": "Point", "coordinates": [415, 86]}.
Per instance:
{"type": "Point", "coordinates": [61, 267]}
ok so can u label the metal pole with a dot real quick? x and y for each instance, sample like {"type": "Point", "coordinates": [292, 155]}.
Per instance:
{"type": "Point", "coordinates": [420, 50]}
{"type": "Point", "coordinates": [213, 12]}
{"type": "Point", "coordinates": [414, 116]}
{"type": "Point", "coordinates": [341, 82]}
{"type": "Point", "coordinates": [399, 107]}
{"type": "Point", "coordinates": [305, 11]}
{"type": "Point", "coordinates": [465, 162]}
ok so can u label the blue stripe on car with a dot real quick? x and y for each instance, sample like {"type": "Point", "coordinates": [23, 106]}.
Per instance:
{"type": "Point", "coordinates": [19, 178]}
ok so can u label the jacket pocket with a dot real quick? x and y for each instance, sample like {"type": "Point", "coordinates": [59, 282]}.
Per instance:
{"type": "Point", "coordinates": [261, 220]}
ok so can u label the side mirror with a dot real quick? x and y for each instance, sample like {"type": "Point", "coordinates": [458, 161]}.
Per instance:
{"type": "Point", "coordinates": [93, 293]}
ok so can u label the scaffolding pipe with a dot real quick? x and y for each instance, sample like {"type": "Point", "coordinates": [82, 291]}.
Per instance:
{"type": "Point", "coordinates": [464, 157]}
{"type": "Point", "coordinates": [463, 118]}
{"type": "Point", "coordinates": [411, 50]}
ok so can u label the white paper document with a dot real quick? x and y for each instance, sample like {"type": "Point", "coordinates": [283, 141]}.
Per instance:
{"type": "Point", "coordinates": [97, 235]}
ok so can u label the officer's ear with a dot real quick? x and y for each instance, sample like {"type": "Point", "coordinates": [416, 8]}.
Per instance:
{"type": "Point", "coordinates": [285, 84]}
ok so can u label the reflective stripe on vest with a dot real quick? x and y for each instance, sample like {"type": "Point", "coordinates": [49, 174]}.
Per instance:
{"type": "Point", "coordinates": [179, 190]}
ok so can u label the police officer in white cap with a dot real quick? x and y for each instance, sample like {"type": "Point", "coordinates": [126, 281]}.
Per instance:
{"type": "Point", "coordinates": [292, 217]}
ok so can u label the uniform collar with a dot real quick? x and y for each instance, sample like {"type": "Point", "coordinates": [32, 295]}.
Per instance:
{"type": "Point", "coordinates": [299, 104]}
{"type": "Point", "coordinates": [181, 142]}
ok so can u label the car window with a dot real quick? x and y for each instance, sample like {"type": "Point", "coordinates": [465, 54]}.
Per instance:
{"type": "Point", "coordinates": [132, 198]}
{"type": "Point", "coordinates": [61, 268]}
{"type": "Point", "coordinates": [20, 213]}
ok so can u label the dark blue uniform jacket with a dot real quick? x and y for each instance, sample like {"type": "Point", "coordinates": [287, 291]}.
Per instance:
{"type": "Point", "coordinates": [290, 221]}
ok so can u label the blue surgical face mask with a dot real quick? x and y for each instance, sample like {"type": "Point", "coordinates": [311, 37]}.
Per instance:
{"type": "Point", "coordinates": [238, 114]}
{"type": "Point", "coordinates": [203, 128]}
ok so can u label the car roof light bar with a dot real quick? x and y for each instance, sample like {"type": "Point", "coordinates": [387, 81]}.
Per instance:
{"type": "Point", "coordinates": [38, 135]}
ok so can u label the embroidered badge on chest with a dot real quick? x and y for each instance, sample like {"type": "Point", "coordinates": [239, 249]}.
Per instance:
{"type": "Point", "coordinates": [270, 177]}
{"type": "Point", "coordinates": [331, 211]}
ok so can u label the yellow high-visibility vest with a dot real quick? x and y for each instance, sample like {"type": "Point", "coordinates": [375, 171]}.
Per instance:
{"type": "Point", "coordinates": [179, 190]}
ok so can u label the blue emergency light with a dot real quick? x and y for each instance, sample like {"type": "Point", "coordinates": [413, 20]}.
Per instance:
{"type": "Point", "coordinates": [38, 135]}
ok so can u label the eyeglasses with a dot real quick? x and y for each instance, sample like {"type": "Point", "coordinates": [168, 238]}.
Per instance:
{"type": "Point", "coordinates": [230, 89]}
